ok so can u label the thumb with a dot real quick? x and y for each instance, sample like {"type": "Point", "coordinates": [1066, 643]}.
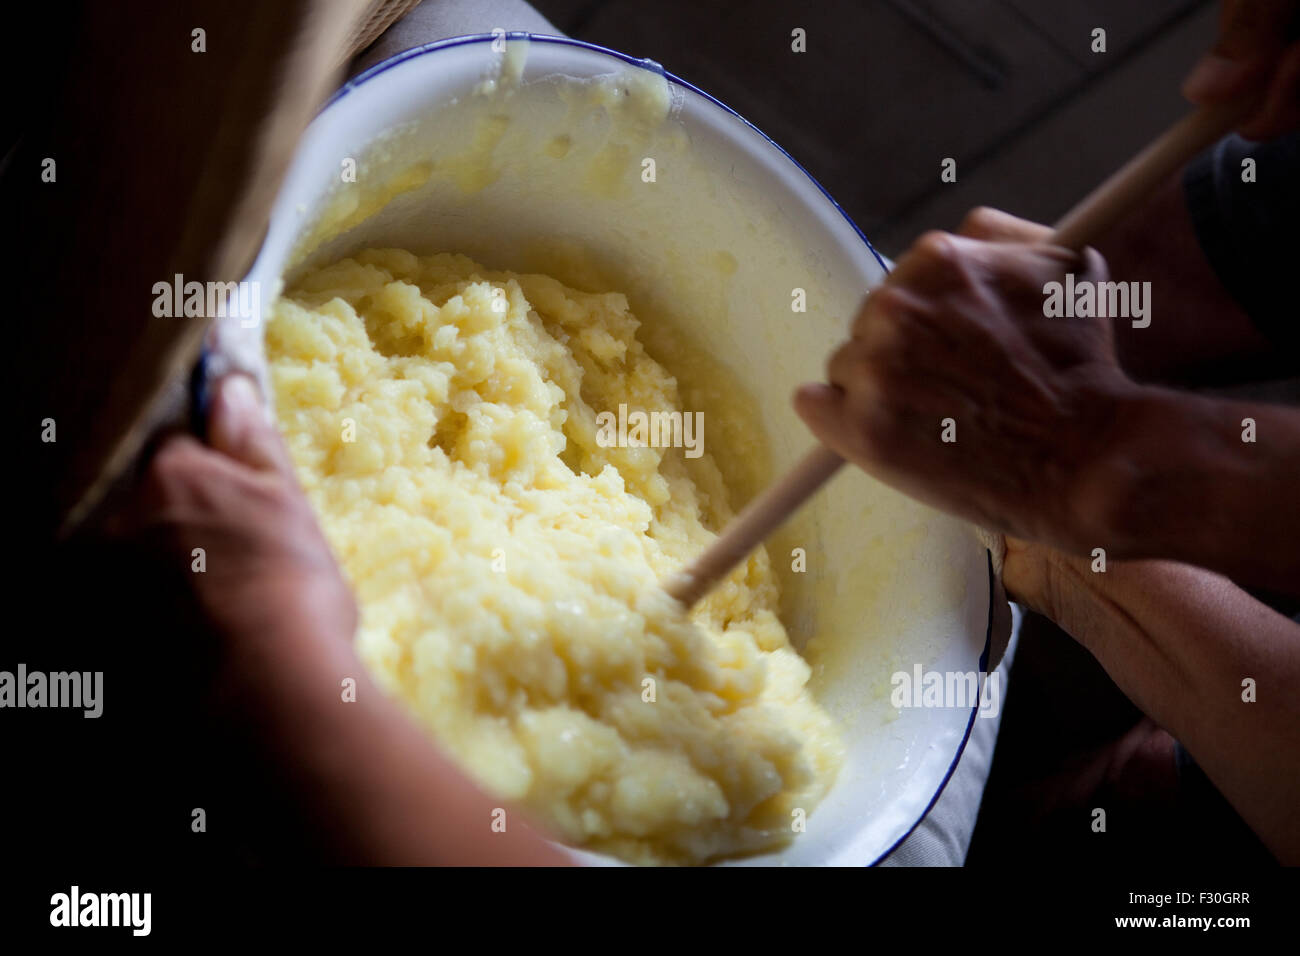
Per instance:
{"type": "Point", "coordinates": [994, 225]}
{"type": "Point", "coordinates": [822, 409]}
{"type": "Point", "coordinates": [238, 426]}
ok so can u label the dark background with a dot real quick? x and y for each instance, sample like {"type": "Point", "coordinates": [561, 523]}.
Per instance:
{"type": "Point", "coordinates": [888, 88]}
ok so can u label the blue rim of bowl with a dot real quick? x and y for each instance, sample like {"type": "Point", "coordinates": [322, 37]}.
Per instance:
{"type": "Point", "coordinates": [399, 58]}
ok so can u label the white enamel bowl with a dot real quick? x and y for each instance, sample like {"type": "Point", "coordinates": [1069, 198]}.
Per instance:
{"type": "Point", "coordinates": [731, 226]}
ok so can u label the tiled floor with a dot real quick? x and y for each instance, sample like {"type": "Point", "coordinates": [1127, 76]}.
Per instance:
{"type": "Point", "coordinates": [888, 88]}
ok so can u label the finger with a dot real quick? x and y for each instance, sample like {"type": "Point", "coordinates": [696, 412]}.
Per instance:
{"type": "Point", "coordinates": [940, 262]}
{"type": "Point", "coordinates": [1252, 34]}
{"type": "Point", "coordinates": [887, 386]}
{"type": "Point", "coordinates": [1281, 110]}
{"type": "Point", "coordinates": [1095, 267]}
{"type": "Point", "coordinates": [824, 410]}
{"type": "Point", "coordinates": [998, 280]}
{"type": "Point", "coordinates": [887, 309]}
{"type": "Point", "coordinates": [182, 476]}
{"type": "Point", "coordinates": [895, 327]}
{"type": "Point", "coordinates": [932, 264]}
{"type": "Point", "coordinates": [1019, 274]}
{"type": "Point", "coordinates": [895, 443]}
{"type": "Point", "coordinates": [852, 367]}
{"type": "Point", "coordinates": [238, 427]}
{"type": "Point", "coordinates": [991, 224]}
{"type": "Point", "coordinates": [153, 485]}
{"type": "Point", "coordinates": [1023, 285]}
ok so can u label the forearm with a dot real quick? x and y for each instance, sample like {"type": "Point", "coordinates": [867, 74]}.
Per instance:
{"type": "Point", "coordinates": [379, 788]}
{"type": "Point", "coordinates": [1181, 643]}
{"type": "Point", "coordinates": [1181, 481]}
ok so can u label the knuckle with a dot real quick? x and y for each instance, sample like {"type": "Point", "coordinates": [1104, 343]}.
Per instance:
{"type": "Point", "coordinates": [872, 391]}
{"type": "Point", "coordinates": [891, 301]}
{"type": "Point", "coordinates": [1095, 265]}
{"type": "Point", "coordinates": [893, 352]}
{"type": "Point", "coordinates": [851, 369]}
{"type": "Point", "coordinates": [841, 366]}
{"type": "Point", "coordinates": [273, 495]}
{"type": "Point", "coordinates": [939, 247]}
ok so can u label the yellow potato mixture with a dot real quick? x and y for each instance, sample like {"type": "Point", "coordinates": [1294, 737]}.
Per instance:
{"type": "Point", "coordinates": [443, 418]}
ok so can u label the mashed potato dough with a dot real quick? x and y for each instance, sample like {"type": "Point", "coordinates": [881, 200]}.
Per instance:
{"type": "Point", "coordinates": [443, 419]}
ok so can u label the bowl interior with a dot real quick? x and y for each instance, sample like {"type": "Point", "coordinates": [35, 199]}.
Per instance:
{"type": "Point", "coordinates": [535, 159]}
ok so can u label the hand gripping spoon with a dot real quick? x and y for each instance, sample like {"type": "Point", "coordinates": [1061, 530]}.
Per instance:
{"type": "Point", "coordinates": [1091, 218]}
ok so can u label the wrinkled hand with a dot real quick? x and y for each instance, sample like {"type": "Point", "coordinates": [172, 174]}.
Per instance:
{"type": "Point", "coordinates": [270, 584]}
{"type": "Point", "coordinates": [1257, 54]}
{"type": "Point", "coordinates": [957, 332]}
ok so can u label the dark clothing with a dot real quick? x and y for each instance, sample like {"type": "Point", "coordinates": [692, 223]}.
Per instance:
{"type": "Point", "coordinates": [1248, 229]}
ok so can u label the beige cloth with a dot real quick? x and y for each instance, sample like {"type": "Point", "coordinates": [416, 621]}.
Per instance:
{"type": "Point", "coordinates": [439, 19]}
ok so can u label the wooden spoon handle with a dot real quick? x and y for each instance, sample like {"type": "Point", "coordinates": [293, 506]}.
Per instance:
{"type": "Point", "coordinates": [1092, 217]}
{"type": "Point", "coordinates": [764, 514]}
{"type": "Point", "coordinates": [1134, 182]}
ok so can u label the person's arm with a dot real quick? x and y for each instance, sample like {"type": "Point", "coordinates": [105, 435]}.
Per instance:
{"type": "Point", "coordinates": [374, 785]}
{"type": "Point", "coordinates": [1198, 655]}
{"type": "Point", "coordinates": [1177, 479]}
{"type": "Point", "coordinates": [370, 781]}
